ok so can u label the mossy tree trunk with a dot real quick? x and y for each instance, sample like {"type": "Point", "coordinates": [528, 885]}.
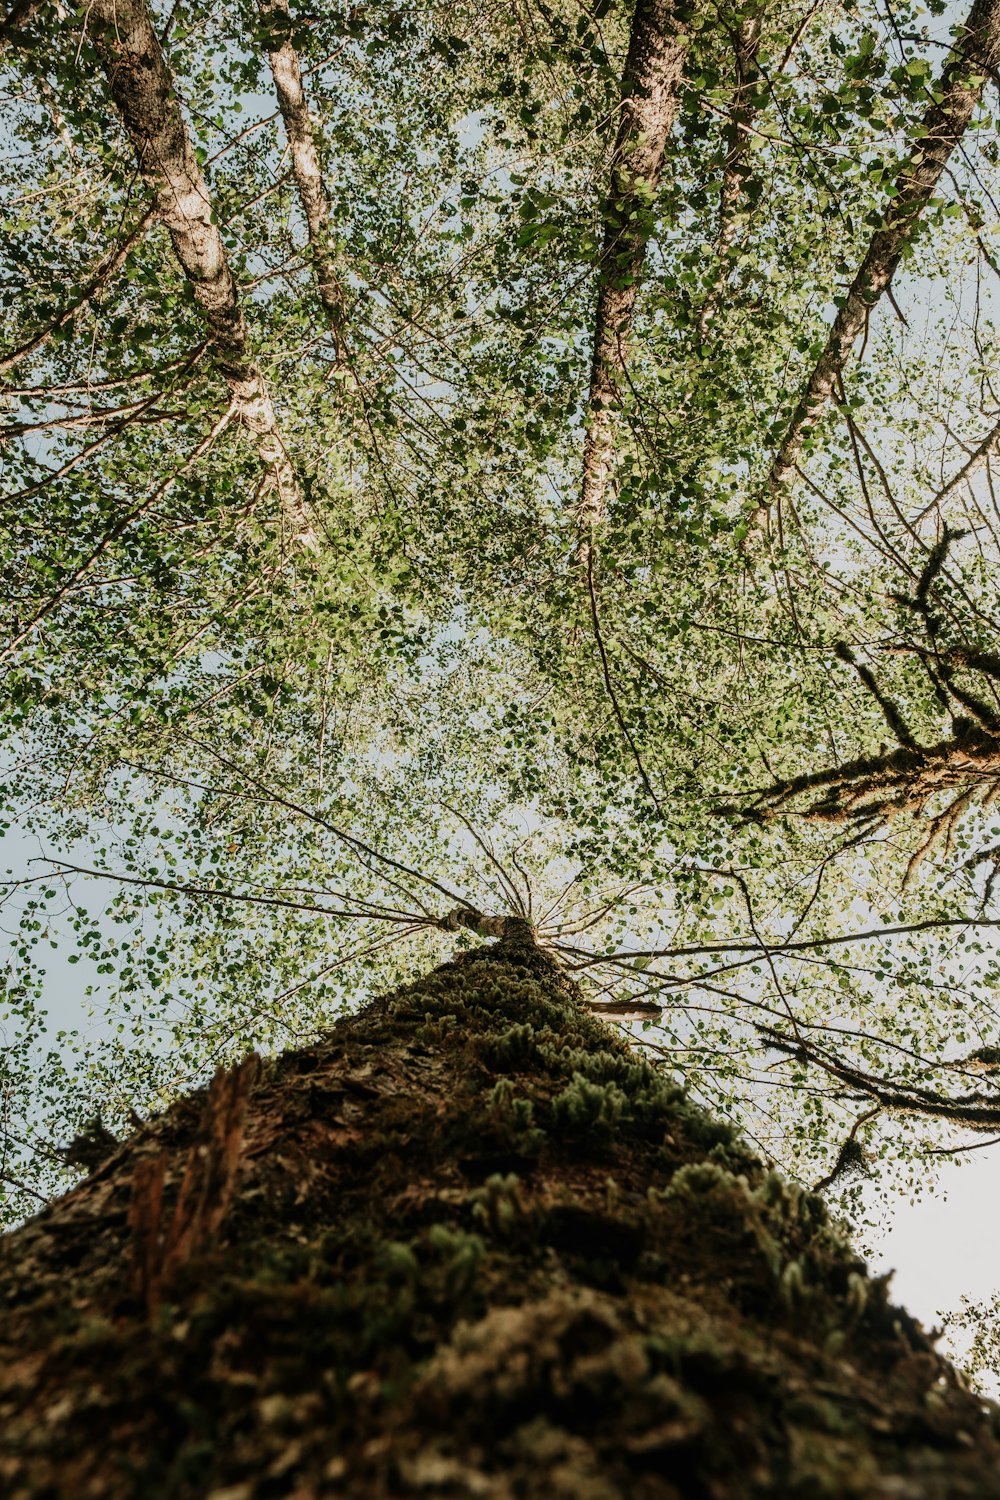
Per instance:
{"type": "Point", "coordinates": [469, 1244]}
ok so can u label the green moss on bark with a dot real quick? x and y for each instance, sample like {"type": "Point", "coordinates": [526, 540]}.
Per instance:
{"type": "Point", "coordinates": [476, 1246]}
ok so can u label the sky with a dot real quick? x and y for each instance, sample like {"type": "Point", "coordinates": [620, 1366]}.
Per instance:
{"type": "Point", "coordinates": [944, 1246]}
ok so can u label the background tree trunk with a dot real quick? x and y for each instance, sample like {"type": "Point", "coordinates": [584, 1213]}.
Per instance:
{"type": "Point", "coordinates": [142, 86]}
{"type": "Point", "coordinates": [468, 1244]}
{"type": "Point", "coordinates": [650, 97]}
{"type": "Point", "coordinates": [952, 104]}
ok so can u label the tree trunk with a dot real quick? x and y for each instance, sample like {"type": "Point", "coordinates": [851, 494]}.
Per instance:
{"type": "Point", "coordinates": [468, 1244]}
{"type": "Point", "coordinates": [650, 96]}
{"type": "Point", "coordinates": [142, 88]}
{"type": "Point", "coordinates": [287, 74]}
{"type": "Point", "coordinates": [734, 171]}
{"type": "Point", "coordinates": [21, 14]}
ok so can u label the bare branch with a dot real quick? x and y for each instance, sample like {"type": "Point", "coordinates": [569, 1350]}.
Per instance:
{"type": "Point", "coordinates": [223, 893]}
{"type": "Point", "coordinates": [974, 1111]}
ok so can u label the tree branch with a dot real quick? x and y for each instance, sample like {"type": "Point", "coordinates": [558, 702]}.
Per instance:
{"type": "Point", "coordinates": [973, 60]}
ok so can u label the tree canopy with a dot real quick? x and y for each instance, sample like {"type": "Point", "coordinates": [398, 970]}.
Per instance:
{"type": "Point", "coordinates": [536, 460]}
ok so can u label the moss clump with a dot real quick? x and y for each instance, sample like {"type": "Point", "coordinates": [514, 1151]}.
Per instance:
{"type": "Point", "coordinates": [584, 1108]}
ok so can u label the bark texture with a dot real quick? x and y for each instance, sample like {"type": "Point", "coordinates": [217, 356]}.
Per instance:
{"type": "Point", "coordinates": [467, 1245]}
{"type": "Point", "coordinates": [20, 14]}
{"type": "Point", "coordinates": [142, 88]}
{"type": "Point", "coordinates": [973, 60]}
{"type": "Point", "coordinates": [650, 92]}
{"type": "Point", "coordinates": [745, 45]}
{"type": "Point", "coordinates": [287, 73]}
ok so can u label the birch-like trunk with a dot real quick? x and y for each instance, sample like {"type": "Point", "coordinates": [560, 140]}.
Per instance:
{"type": "Point", "coordinates": [973, 60]}
{"type": "Point", "coordinates": [142, 87]}
{"type": "Point", "coordinates": [650, 95]}
{"type": "Point", "coordinates": [287, 73]}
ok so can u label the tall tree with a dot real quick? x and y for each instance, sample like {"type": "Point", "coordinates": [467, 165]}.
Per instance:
{"type": "Point", "coordinates": [746, 40]}
{"type": "Point", "coordinates": [469, 1243]}
{"type": "Point", "coordinates": [953, 99]}
{"type": "Point", "coordinates": [341, 748]}
{"type": "Point", "coordinates": [286, 70]}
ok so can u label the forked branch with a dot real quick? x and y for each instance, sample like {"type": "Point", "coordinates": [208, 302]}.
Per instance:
{"type": "Point", "coordinates": [949, 774]}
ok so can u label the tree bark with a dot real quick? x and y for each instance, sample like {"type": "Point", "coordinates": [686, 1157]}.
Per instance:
{"type": "Point", "coordinates": [467, 1244]}
{"type": "Point", "coordinates": [287, 74]}
{"type": "Point", "coordinates": [745, 45]}
{"type": "Point", "coordinates": [955, 95]}
{"type": "Point", "coordinates": [142, 87]}
{"type": "Point", "coordinates": [650, 95]}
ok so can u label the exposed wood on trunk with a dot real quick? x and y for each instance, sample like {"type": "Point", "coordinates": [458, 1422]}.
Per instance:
{"type": "Point", "coordinates": [142, 87]}
{"type": "Point", "coordinates": [650, 91]}
{"type": "Point", "coordinates": [974, 58]}
{"type": "Point", "coordinates": [504, 929]}
{"type": "Point", "coordinates": [161, 1248]}
{"type": "Point", "coordinates": [746, 42]}
{"type": "Point", "coordinates": [287, 73]}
